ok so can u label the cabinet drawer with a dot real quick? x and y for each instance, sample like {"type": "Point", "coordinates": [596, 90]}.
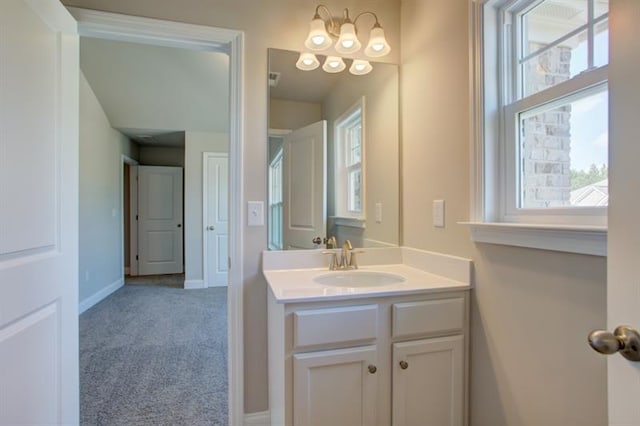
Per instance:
{"type": "Point", "coordinates": [426, 317]}
{"type": "Point", "coordinates": [334, 325]}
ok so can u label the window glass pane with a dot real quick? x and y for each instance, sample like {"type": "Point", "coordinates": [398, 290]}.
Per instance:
{"type": "Point", "coordinates": [601, 7]}
{"type": "Point", "coordinates": [355, 190]}
{"type": "Point", "coordinates": [354, 154]}
{"type": "Point", "coordinates": [555, 65]}
{"type": "Point", "coordinates": [563, 154]}
{"type": "Point", "coordinates": [551, 20]}
{"type": "Point", "coordinates": [601, 44]}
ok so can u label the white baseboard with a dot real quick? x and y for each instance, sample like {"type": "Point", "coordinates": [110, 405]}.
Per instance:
{"type": "Point", "coordinates": [219, 285]}
{"type": "Point", "coordinates": [263, 418]}
{"type": "Point", "coordinates": [192, 284]}
{"type": "Point", "coordinates": [100, 295]}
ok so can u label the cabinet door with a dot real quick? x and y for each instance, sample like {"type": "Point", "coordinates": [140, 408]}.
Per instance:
{"type": "Point", "coordinates": [428, 382]}
{"type": "Point", "coordinates": [337, 387]}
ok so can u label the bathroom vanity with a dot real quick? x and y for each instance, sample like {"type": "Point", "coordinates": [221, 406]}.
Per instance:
{"type": "Point", "coordinates": [383, 345]}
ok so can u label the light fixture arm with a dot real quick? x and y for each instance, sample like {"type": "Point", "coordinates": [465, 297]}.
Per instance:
{"type": "Point", "coordinates": [333, 28]}
{"type": "Point", "coordinates": [376, 25]}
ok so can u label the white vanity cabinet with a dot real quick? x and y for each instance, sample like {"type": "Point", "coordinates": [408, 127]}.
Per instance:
{"type": "Point", "coordinates": [376, 361]}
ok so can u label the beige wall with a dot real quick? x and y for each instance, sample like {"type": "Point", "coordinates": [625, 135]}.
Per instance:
{"type": "Point", "coordinates": [532, 309]}
{"type": "Point", "coordinates": [380, 90]}
{"type": "Point", "coordinates": [100, 242]}
{"type": "Point", "coordinates": [292, 115]}
{"type": "Point", "coordinates": [195, 144]}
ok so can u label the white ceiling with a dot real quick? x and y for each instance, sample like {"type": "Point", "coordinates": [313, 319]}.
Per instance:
{"type": "Point", "coordinates": [157, 91]}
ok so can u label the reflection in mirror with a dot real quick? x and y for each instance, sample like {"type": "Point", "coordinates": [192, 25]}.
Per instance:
{"type": "Point", "coordinates": [333, 155]}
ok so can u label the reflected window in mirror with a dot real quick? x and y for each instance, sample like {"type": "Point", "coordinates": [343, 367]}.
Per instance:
{"type": "Point", "coordinates": [275, 201]}
{"type": "Point", "coordinates": [350, 168]}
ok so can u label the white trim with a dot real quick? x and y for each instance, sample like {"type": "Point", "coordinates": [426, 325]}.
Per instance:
{"type": "Point", "coordinates": [133, 211]}
{"type": "Point", "coordinates": [99, 295]}
{"type": "Point", "coordinates": [590, 240]}
{"type": "Point", "coordinates": [279, 132]}
{"type": "Point", "coordinates": [194, 284]}
{"type": "Point", "coordinates": [262, 418]}
{"type": "Point", "coordinates": [166, 33]}
{"type": "Point", "coordinates": [352, 222]}
{"type": "Point", "coordinates": [205, 213]}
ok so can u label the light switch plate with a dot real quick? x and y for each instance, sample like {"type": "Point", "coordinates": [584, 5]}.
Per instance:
{"type": "Point", "coordinates": [438, 213]}
{"type": "Point", "coordinates": [255, 213]}
{"type": "Point", "coordinates": [378, 212]}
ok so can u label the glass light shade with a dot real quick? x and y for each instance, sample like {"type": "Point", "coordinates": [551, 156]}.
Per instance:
{"type": "Point", "coordinates": [318, 38]}
{"type": "Point", "coordinates": [307, 62]}
{"type": "Point", "coordinates": [377, 45]}
{"type": "Point", "coordinates": [360, 67]}
{"type": "Point", "coordinates": [348, 41]}
{"type": "Point", "coordinates": [333, 64]}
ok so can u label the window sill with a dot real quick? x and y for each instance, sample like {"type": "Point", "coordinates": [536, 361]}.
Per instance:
{"type": "Point", "coordinates": [349, 221]}
{"type": "Point", "coordinates": [590, 240]}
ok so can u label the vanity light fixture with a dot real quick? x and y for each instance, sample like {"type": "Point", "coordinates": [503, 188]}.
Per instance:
{"type": "Point", "coordinates": [333, 64]}
{"type": "Point", "coordinates": [360, 67]}
{"type": "Point", "coordinates": [322, 31]}
{"type": "Point", "coordinates": [307, 62]}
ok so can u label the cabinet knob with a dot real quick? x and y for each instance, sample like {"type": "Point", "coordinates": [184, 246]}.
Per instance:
{"type": "Point", "coordinates": [372, 369]}
{"type": "Point", "coordinates": [404, 365]}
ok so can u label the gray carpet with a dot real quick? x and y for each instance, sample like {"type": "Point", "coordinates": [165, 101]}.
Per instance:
{"type": "Point", "coordinates": [153, 355]}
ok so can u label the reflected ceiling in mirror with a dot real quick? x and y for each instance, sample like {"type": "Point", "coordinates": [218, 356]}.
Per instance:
{"type": "Point", "coordinates": [333, 155]}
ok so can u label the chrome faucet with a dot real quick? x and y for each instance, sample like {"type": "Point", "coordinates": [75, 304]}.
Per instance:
{"type": "Point", "coordinates": [345, 255]}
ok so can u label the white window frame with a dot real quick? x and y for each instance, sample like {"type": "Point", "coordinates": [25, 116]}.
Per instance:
{"type": "Point", "coordinates": [494, 216]}
{"type": "Point", "coordinates": [276, 205]}
{"type": "Point", "coordinates": [342, 196]}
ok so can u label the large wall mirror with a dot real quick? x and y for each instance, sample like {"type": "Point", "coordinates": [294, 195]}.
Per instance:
{"type": "Point", "coordinates": [333, 155]}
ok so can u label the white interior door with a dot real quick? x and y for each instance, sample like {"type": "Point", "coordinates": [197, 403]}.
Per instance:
{"type": "Point", "coordinates": [304, 186]}
{"type": "Point", "coordinates": [216, 219]}
{"type": "Point", "coordinates": [623, 280]}
{"type": "Point", "coordinates": [160, 237]}
{"type": "Point", "coordinates": [38, 213]}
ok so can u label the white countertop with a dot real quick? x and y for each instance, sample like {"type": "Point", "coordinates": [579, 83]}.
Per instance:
{"type": "Point", "coordinates": [298, 285]}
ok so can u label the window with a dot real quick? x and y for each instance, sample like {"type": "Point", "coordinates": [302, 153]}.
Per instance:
{"type": "Point", "coordinates": [542, 113]}
{"type": "Point", "coordinates": [349, 165]}
{"type": "Point", "coordinates": [275, 202]}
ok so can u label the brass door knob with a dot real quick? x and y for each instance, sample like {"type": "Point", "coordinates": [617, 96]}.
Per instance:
{"type": "Point", "coordinates": [624, 339]}
{"type": "Point", "coordinates": [404, 365]}
{"type": "Point", "coordinates": [372, 369]}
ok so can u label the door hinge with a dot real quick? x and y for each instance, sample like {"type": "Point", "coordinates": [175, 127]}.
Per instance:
{"type": "Point", "coordinates": [136, 257]}
{"type": "Point", "coordinates": [136, 217]}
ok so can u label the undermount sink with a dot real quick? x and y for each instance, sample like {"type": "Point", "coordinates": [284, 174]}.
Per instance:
{"type": "Point", "coordinates": [358, 279]}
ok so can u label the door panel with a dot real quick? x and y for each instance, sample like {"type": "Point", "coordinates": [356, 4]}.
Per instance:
{"type": "Point", "coordinates": [38, 213]}
{"type": "Point", "coordinates": [304, 186]}
{"type": "Point", "coordinates": [216, 224]}
{"type": "Point", "coordinates": [429, 391]}
{"type": "Point", "coordinates": [335, 387]}
{"type": "Point", "coordinates": [623, 240]}
{"type": "Point", "coordinates": [160, 238]}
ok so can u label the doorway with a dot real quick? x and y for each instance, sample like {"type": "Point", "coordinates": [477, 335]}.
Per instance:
{"type": "Point", "coordinates": [154, 32]}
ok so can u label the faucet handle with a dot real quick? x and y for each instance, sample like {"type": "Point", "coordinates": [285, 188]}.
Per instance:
{"type": "Point", "coordinates": [333, 260]}
{"type": "Point", "coordinates": [353, 262]}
